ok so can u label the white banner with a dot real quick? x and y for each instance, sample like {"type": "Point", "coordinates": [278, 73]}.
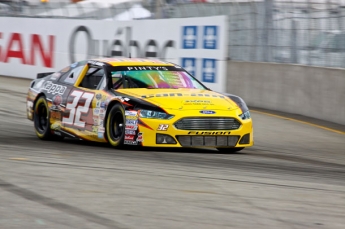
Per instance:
{"type": "Point", "coordinates": [29, 46]}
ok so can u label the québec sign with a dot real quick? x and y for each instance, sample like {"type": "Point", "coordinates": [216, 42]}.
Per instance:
{"type": "Point", "coordinates": [118, 46]}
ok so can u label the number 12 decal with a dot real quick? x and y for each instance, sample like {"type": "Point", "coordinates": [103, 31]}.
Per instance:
{"type": "Point", "coordinates": [75, 110]}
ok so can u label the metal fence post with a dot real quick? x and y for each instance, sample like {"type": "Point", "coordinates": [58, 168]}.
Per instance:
{"type": "Point", "coordinates": [267, 28]}
{"type": "Point", "coordinates": [294, 56]}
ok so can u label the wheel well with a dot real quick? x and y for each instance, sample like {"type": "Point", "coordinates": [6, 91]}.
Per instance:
{"type": "Point", "coordinates": [37, 97]}
{"type": "Point", "coordinates": [110, 105]}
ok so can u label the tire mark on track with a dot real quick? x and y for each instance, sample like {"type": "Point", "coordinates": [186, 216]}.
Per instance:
{"type": "Point", "coordinates": [177, 175]}
{"type": "Point", "coordinates": [32, 196]}
{"type": "Point", "coordinates": [298, 159]}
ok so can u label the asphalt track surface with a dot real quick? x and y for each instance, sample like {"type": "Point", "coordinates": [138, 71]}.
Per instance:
{"type": "Point", "coordinates": [294, 177]}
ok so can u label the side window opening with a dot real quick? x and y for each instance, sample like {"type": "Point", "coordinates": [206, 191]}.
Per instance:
{"type": "Point", "coordinates": [71, 77]}
{"type": "Point", "coordinates": [92, 78]}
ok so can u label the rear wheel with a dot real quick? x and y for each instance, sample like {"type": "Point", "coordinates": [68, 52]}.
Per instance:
{"type": "Point", "coordinates": [41, 119]}
{"type": "Point", "coordinates": [230, 150]}
{"type": "Point", "coordinates": [115, 125]}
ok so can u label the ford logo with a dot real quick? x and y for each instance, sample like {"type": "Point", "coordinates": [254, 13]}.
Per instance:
{"type": "Point", "coordinates": [207, 112]}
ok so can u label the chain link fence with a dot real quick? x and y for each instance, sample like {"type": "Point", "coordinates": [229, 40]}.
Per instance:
{"type": "Point", "coordinates": [307, 32]}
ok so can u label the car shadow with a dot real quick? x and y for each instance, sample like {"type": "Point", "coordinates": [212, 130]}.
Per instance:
{"type": "Point", "coordinates": [148, 149]}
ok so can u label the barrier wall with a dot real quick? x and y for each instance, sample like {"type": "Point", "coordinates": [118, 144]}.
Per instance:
{"type": "Point", "coordinates": [32, 45]}
{"type": "Point", "coordinates": [310, 91]}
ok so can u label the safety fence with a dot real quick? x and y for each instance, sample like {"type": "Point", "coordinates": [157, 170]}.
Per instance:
{"type": "Point", "coordinates": [307, 32]}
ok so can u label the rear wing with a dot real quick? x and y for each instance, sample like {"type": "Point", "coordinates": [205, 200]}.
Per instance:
{"type": "Point", "coordinates": [44, 74]}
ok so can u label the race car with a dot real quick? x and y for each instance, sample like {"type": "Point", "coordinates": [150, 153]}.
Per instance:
{"type": "Point", "coordinates": [142, 102]}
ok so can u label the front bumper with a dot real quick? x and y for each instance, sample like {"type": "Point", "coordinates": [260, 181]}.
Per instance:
{"type": "Point", "coordinates": [152, 128]}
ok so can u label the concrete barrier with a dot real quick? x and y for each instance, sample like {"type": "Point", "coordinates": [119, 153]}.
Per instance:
{"type": "Point", "coordinates": [310, 91]}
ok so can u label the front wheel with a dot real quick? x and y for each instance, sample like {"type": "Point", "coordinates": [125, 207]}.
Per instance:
{"type": "Point", "coordinates": [115, 125]}
{"type": "Point", "coordinates": [230, 150]}
{"type": "Point", "coordinates": [41, 119]}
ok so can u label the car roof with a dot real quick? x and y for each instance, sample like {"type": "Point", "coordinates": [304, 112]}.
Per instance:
{"type": "Point", "coordinates": [124, 61]}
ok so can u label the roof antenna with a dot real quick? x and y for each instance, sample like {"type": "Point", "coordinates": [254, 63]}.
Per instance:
{"type": "Point", "coordinates": [130, 55]}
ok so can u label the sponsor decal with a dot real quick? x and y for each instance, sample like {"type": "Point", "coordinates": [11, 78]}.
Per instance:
{"type": "Point", "coordinates": [140, 137]}
{"type": "Point", "coordinates": [131, 127]}
{"type": "Point", "coordinates": [57, 100]}
{"type": "Point", "coordinates": [52, 88]}
{"type": "Point", "coordinates": [131, 113]}
{"type": "Point", "coordinates": [99, 96]}
{"type": "Point", "coordinates": [97, 63]}
{"type": "Point", "coordinates": [148, 68]}
{"type": "Point", "coordinates": [55, 115]}
{"type": "Point", "coordinates": [94, 129]}
{"type": "Point", "coordinates": [131, 117]}
{"type": "Point", "coordinates": [101, 129]}
{"type": "Point", "coordinates": [127, 142]}
{"type": "Point", "coordinates": [101, 116]}
{"type": "Point", "coordinates": [102, 111]}
{"type": "Point", "coordinates": [180, 95]}
{"type": "Point", "coordinates": [129, 137]}
{"type": "Point", "coordinates": [98, 104]}
{"type": "Point", "coordinates": [207, 112]}
{"type": "Point", "coordinates": [102, 105]}
{"type": "Point", "coordinates": [122, 99]}
{"type": "Point", "coordinates": [163, 127]}
{"type": "Point", "coordinates": [209, 132]}
{"type": "Point", "coordinates": [55, 76]}
{"type": "Point", "coordinates": [101, 122]}
{"type": "Point", "coordinates": [55, 126]}
{"type": "Point", "coordinates": [100, 135]}
{"type": "Point", "coordinates": [131, 122]}
{"type": "Point", "coordinates": [66, 69]}
{"type": "Point", "coordinates": [74, 65]}
{"type": "Point", "coordinates": [29, 106]}
{"type": "Point", "coordinates": [197, 102]}
{"type": "Point", "coordinates": [96, 111]}
{"type": "Point", "coordinates": [130, 132]}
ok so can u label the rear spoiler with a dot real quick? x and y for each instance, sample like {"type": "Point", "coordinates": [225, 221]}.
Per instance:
{"type": "Point", "coordinates": [41, 75]}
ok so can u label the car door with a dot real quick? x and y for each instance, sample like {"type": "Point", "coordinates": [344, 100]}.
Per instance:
{"type": "Point", "coordinates": [57, 89]}
{"type": "Point", "coordinates": [79, 116]}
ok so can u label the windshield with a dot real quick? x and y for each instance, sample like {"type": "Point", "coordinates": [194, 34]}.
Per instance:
{"type": "Point", "coordinates": [161, 78]}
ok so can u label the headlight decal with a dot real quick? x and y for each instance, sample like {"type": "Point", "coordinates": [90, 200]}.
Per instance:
{"type": "Point", "coordinates": [245, 115]}
{"type": "Point", "coordinates": [154, 114]}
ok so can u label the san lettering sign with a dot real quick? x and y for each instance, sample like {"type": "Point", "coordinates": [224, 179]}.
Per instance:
{"type": "Point", "coordinates": [16, 46]}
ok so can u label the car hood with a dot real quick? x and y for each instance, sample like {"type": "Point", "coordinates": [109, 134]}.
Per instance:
{"type": "Point", "coordinates": [183, 99]}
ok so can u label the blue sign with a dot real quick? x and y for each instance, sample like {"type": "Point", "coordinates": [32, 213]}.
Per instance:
{"type": "Point", "coordinates": [189, 37]}
{"type": "Point", "coordinates": [207, 112]}
{"type": "Point", "coordinates": [210, 37]}
{"type": "Point", "coordinates": [189, 65]}
{"type": "Point", "coordinates": [209, 70]}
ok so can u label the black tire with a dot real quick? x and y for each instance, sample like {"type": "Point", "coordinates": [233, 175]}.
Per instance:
{"type": "Point", "coordinates": [41, 119]}
{"type": "Point", "coordinates": [230, 150]}
{"type": "Point", "coordinates": [115, 125]}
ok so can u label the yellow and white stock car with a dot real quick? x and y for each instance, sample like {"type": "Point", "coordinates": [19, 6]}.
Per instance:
{"type": "Point", "coordinates": [130, 101]}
